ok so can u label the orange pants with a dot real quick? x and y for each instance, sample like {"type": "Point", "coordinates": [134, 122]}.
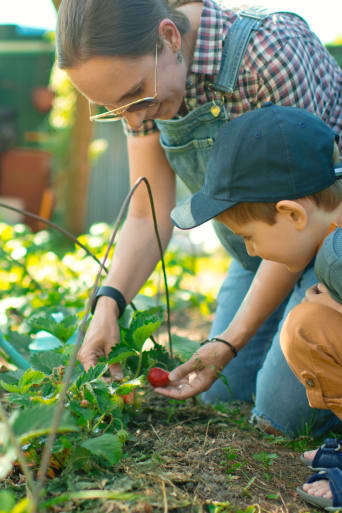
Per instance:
{"type": "Point", "coordinates": [311, 340]}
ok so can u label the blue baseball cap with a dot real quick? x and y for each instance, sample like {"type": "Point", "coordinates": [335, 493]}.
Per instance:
{"type": "Point", "coordinates": [266, 155]}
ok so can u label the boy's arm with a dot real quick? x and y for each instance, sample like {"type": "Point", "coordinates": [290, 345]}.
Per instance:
{"type": "Point", "coordinates": [271, 285]}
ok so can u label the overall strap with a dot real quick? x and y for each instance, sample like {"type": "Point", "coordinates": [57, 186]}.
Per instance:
{"type": "Point", "coordinates": [235, 46]}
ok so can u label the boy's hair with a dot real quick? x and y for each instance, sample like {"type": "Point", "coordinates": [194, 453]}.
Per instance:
{"type": "Point", "coordinates": [327, 199]}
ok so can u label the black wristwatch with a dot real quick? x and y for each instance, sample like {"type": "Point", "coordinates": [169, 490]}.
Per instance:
{"type": "Point", "coordinates": [114, 294]}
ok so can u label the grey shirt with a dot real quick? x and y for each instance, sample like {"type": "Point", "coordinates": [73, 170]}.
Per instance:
{"type": "Point", "coordinates": [328, 264]}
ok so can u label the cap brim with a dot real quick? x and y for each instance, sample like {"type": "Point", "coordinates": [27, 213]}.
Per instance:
{"type": "Point", "coordinates": [198, 209]}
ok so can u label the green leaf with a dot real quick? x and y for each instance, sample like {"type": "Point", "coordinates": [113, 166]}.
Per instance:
{"type": "Point", "coordinates": [274, 496]}
{"type": "Point", "coordinates": [50, 319]}
{"type": "Point", "coordinates": [29, 378]}
{"type": "Point", "coordinates": [7, 501]}
{"type": "Point", "coordinates": [143, 333]}
{"type": "Point", "coordinates": [183, 347]}
{"type": "Point", "coordinates": [121, 357]}
{"type": "Point", "coordinates": [18, 399]}
{"type": "Point", "coordinates": [83, 413]}
{"type": "Point", "coordinates": [106, 446]}
{"type": "Point", "coordinates": [129, 386]}
{"type": "Point", "coordinates": [143, 325]}
{"type": "Point", "coordinates": [46, 361]}
{"type": "Point", "coordinates": [92, 374]}
{"type": "Point", "coordinates": [19, 341]}
{"type": "Point", "coordinates": [36, 421]}
{"type": "Point", "coordinates": [12, 377]}
{"type": "Point", "coordinates": [9, 387]}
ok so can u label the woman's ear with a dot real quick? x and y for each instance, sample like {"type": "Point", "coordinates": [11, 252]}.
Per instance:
{"type": "Point", "coordinates": [170, 34]}
{"type": "Point", "coordinates": [294, 211]}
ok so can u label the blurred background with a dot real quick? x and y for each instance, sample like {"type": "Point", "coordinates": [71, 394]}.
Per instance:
{"type": "Point", "coordinates": [53, 162]}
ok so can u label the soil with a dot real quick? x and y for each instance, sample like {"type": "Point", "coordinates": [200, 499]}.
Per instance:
{"type": "Point", "coordinates": [191, 458]}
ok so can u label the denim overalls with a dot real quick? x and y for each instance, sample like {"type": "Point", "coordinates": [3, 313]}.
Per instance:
{"type": "Point", "coordinates": [260, 371]}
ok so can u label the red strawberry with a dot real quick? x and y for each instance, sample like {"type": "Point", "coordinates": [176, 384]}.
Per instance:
{"type": "Point", "coordinates": [158, 377]}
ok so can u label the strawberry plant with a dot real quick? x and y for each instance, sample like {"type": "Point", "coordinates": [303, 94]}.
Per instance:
{"type": "Point", "coordinates": [93, 427]}
{"type": "Point", "coordinates": [60, 415]}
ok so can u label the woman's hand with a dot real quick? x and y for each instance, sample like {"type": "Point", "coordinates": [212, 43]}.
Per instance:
{"type": "Point", "coordinates": [102, 334]}
{"type": "Point", "coordinates": [197, 374]}
{"type": "Point", "coordinates": [319, 294]}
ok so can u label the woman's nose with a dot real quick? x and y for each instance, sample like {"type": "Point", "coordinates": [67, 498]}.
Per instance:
{"type": "Point", "coordinates": [135, 119]}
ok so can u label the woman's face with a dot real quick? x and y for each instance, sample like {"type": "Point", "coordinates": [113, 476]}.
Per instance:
{"type": "Point", "coordinates": [116, 81]}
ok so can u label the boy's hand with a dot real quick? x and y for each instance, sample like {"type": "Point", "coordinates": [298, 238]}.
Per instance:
{"type": "Point", "coordinates": [319, 294]}
{"type": "Point", "coordinates": [197, 374]}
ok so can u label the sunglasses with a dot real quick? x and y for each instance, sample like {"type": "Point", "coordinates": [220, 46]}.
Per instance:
{"type": "Point", "coordinates": [116, 114]}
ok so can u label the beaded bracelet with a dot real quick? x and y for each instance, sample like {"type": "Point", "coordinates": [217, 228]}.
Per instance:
{"type": "Point", "coordinates": [216, 339]}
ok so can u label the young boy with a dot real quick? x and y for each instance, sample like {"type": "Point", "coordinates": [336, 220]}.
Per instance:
{"type": "Point", "coordinates": [273, 179]}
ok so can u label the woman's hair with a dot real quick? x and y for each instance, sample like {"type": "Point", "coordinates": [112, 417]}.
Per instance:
{"type": "Point", "coordinates": [89, 28]}
{"type": "Point", "coordinates": [327, 199]}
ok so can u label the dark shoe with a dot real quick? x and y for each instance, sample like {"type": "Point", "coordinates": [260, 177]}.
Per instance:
{"type": "Point", "coordinates": [329, 455]}
{"type": "Point", "coordinates": [334, 476]}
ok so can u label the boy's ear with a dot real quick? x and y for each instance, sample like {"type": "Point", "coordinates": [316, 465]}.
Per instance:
{"type": "Point", "coordinates": [294, 212]}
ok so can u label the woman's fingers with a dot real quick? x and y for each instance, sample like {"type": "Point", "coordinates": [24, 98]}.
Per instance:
{"type": "Point", "coordinates": [116, 372]}
{"type": "Point", "coordinates": [88, 356]}
{"type": "Point", "coordinates": [183, 370]}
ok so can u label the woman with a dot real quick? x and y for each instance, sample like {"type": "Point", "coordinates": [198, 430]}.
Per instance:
{"type": "Point", "coordinates": [175, 75]}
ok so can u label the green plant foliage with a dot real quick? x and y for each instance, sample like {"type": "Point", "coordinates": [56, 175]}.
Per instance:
{"type": "Point", "coordinates": [107, 446]}
{"type": "Point", "coordinates": [36, 421]}
{"type": "Point", "coordinates": [7, 501]}
{"type": "Point", "coordinates": [93, 422]}
{"type": "Point", "coordinates": [142, 326]}
{"type": "Point", "coordinates": [45, 319]}
{"type": "Point", "coordinates": [43, 294]}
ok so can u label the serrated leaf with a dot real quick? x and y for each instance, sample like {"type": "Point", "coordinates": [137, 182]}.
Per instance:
{"type": "Point", "coordinates": [19, 399]}
{"type": "Point", "coordinates": [92, 374]}
{"type": "Point", "coordinates": [45, 320]}
{"type": "Point", "coordinates": [143, 325]}
{"type": "Point", "coordinates": [142, 333]}
{"type": "Point", "coordinates": [29, 378]}
{"type": "Point", "coordinates": [36, 421]}
{"type": "Point", "coordinates": [106, 446]}
{"type": "Point", "coordinates": [47, 361]}
{"type": "Point", "coordinates": [85, 413]}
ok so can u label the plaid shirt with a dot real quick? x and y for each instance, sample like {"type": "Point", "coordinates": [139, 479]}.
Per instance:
{"type": "Point", "coordinates": [285, 63]}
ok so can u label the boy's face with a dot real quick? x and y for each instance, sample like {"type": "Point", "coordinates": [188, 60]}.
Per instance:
{"type": "Point", "coordinates": [281, 242]}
